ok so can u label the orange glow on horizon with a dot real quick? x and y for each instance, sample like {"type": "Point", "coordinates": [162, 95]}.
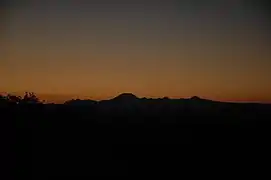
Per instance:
{"type": "Point", "coordinates": [58, 98]}
{"type": "Point", "coordinates": [66, 52]}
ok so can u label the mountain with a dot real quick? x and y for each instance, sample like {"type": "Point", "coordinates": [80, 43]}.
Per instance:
{"type": "Point", "coordinates": [125, 97]}
{"type": "Point", "coordinates": [195, 98]}
{"type": "Point", "coordinates": [128, 102]}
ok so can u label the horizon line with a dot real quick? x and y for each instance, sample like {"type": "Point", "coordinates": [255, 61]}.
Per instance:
{"type": "Point", "coordinates": [62, 98]}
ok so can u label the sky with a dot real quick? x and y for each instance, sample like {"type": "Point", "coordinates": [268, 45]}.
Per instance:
{"type": "Point", "coordinates": [100, 48]}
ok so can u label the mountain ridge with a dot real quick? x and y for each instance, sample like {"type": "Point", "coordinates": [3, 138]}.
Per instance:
{"type": "Point", "coordinates": [130, 97]}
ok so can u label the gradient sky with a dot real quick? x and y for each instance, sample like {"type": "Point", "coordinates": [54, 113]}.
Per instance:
{"type": "Point", "coordinates": [98, 49]}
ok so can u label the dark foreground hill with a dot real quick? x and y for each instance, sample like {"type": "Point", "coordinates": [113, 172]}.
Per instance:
{"type": "Point", "coordinates": [132, 136]}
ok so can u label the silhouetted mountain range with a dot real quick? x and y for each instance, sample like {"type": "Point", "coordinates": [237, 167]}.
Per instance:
{"type": "Point", "coordinates": [131, 99]}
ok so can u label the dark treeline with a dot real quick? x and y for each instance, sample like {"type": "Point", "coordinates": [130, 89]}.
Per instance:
{"type": "Point", "coordinates": [128, 135]}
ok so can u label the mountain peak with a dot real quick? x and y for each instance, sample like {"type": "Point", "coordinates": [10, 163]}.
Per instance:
{"type": "Point", "coordinates": [126, 96]}
{"type": "Point", "coordinates": [195, 98]}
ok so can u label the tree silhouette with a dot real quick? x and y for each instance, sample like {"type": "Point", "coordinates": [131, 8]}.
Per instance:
{"type": "Point", "coordinates": [30, 97]}
{"type": "Point", "coordinates": [14, 99]}
{"type": "Point", "coordinates": [3, 99]}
